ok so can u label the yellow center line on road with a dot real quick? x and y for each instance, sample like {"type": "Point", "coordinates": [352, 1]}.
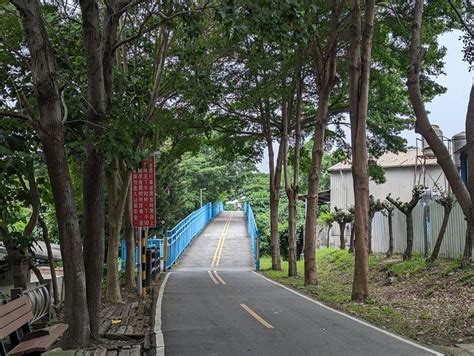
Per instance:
{"type": "Point", "coordinates": [219, 278]}
{"type": "Point", "coordinates": [212, 277]}
{"type": "Point", "coordinates": [218, 251]}
{"type": "Point", "coordinates": [257, 317]}
{"type": "Point", "coordinates": [224, 235]}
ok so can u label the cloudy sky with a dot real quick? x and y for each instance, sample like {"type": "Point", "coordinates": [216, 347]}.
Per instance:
{"type": "Point", "coordinates": [447, 110]}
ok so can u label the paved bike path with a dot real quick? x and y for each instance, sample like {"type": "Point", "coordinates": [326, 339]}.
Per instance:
{"type": "Point", "coordinates": [214, 304]}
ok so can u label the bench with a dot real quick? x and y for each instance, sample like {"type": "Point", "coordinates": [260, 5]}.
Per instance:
{"type": "Point", "coordinates": [15, 319]}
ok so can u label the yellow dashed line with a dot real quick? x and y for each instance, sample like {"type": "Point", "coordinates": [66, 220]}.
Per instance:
{"type": "Point", "coordinates": [257, 317]}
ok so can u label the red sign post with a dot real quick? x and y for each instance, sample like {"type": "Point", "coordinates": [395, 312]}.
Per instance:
{"type": "Point", "coordinates": [143, 195]}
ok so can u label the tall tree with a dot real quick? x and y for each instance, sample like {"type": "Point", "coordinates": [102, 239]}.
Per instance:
{"type": "Point", "coordinates": [423, 126]}
{"type": "Point", "coordinates": [324, 57]}
{"type": "Point", "coordinates": [360, 57]}
{"type": "Point", "coordinates": [50, 130]}
{"type": "Point", "coordinates": [292, 187]}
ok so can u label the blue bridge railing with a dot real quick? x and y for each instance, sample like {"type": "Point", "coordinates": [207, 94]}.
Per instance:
{"type": "Point", "coordinates": [253, 233]}
{"type": "Point", "coordinates": [177, 239]}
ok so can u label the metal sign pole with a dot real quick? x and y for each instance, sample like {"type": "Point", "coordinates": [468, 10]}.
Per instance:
{"type": "Point", "coordinates": [139, 284]}
{"type": "Point", "coordinates": [143, 258]}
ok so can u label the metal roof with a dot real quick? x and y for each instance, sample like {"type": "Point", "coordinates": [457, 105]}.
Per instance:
{"type": "Point", "coordinates": [390, 160]}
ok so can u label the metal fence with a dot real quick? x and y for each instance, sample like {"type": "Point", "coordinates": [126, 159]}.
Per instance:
{"type": "Point", "coordinates": [453, 243]}
{"type": "Point", "coordinates": [253, 233]}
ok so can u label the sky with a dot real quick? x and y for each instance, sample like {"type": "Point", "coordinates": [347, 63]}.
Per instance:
{"type": "Point", "coordinates": [447, 110]}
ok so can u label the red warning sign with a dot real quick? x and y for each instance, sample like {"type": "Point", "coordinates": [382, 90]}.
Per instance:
{"type": "Point", "coordinates": [143, 195]}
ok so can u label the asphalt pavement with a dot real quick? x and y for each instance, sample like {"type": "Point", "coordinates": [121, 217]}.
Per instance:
{"type": "Point", "coordinates": [213, 303]}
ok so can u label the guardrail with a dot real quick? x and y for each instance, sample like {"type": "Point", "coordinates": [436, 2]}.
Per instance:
{"type": "Point", "coordinates": [253, 233]}
{"type": "Point", "coordinates": [177, 239]}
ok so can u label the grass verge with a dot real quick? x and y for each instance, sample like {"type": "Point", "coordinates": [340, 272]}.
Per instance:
{"type": "Point", "coordinates": [431, 303]}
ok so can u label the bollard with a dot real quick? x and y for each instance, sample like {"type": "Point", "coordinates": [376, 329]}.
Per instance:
{"type": "Point", "coordinates": [143, 253]}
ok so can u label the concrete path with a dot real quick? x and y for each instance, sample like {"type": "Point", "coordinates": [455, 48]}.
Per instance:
{"type": "Point", "coordinates": [214, 304]}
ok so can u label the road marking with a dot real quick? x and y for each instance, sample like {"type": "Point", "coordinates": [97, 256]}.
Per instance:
{"type": "Point", "coordinates": [412, 343]}
{"type": "Point", "coordinates": [220, 244]}
{"type": "Point", "coordinates": [223, 240]}
{"type": "Point", "coordinates": [217, 250]}
{"type": "Point", "coordinates": [219, 278]}
{"type": "Point", "coordinates": [212, 277]}
{"type": "Point", "coordinates": [159, 339]}
{"type": "Point", "coordinates": [257, 317]}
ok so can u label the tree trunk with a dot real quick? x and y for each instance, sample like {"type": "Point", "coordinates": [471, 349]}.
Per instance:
{"type": "Point", "coordinates": [342, 235]}
{"type": "Point", "coordinates": [351, 243]}
{"type": "Point", "coordinates": [16, 260]}
{"type": "Point", "coordinates": [292, 255]}
{"type": "Point", "coordinates": [275, 175]}
{"type": "Point", "coordinates": [369, 242]}
{"type": "Point", "coordinates": [51, 133]}
{"type": "Point", "coordinates": [408, 251]}
{"type": "Point", "coordinates": [310, 276]}
{"type": "Point", "coordinates": [329, 236]}
{"type": "Point", "coordinates": [325, 70]}
{"type": "Point", "coordinates": [94, 236]}
{"type": "Point", "coordinates": [390, 234]}
{"type": "Point", "coordinates": [118, 183]}
{"type": "Point", "coordinates": [442, 231]}
{"type": "Point", "coordinates": [93, 173]}
{"type": "Point", "coordinates": [423, 125]}
{"type": "Point", "coordinates": [52, 268]}
{"type": "Point", "coordinates": [360, 56]}
{"type": "Point", "coordinates": [292, 188]}
{"type": "Point", "coordinates": [36, 271]}
{"type": "Point", "coordinates": [129, 242]}
{"type": "Point", "coordinates": [467, 256]}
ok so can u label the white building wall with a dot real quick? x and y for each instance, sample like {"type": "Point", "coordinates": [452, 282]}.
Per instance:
{"type": "Point", "coordinates": [399, 182]}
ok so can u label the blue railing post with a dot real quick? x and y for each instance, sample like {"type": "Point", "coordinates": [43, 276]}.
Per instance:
{"type": "Point", "coordinates": [253, 233]}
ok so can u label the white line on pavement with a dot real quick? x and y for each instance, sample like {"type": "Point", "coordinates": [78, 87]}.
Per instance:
{"type": "Point", "coordinates": [212, 277]}
{"type": "Point", "coordinates": [351, 317]}
{"type": "Point", "coordinates": [219, 278]}
{"type": "Point", "coordinates": [159, 339]}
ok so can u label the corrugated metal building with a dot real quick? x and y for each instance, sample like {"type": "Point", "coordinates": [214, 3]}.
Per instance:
{"type": "Point", "coordinates": [401, 172]}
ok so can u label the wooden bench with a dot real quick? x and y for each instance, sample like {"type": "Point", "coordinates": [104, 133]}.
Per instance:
{"type": "Point", "coordinates": [15, 318]}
